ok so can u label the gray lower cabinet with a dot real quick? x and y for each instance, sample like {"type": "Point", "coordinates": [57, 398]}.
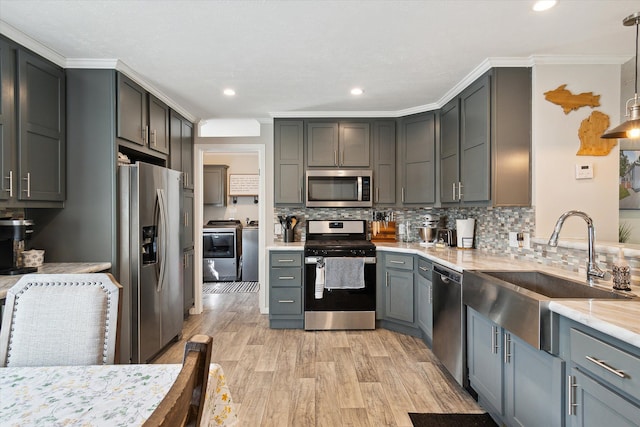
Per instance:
{"type": "Point", "coordinates": [603, 380]}
{"type": "Point", "coordinates": [425, 299]}
{"type": "Point", "coordinates": [187, 229]}
{"type": "Point", "coordinates": [288, 162]}
{"type": "Point", "coordinates": [214, 180]}
{"type": "Point", "coordinates": [485, 141]}
{"type": "Point", "coordinates": [33, 129]}
{"type": "Point", "coordinates": [286, 290]}
{"type": "Point", "coordinates": [517, 384]}
{"type": "Point", "coordinates": [188, 262]}
{"type": "Point", "coordinates": [416, 166]}
{"type": "Point", "coordinates": [384, 162]}
{"type": "Point", "coordinates": [396, 302]}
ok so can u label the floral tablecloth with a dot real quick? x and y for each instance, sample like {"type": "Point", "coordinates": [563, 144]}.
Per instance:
{"type": "Point", "coordinates": [108, 395]}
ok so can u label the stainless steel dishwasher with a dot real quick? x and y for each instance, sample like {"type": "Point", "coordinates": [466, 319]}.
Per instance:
{"type": "Point", "coordinates": [448, 320]}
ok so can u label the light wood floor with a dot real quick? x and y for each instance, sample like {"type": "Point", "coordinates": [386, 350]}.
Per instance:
{"type": "Point", "coordinates": [326, 378]}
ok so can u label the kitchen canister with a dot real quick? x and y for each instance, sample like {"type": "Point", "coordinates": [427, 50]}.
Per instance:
{"type": "Point", "coordinates": [464, 231]}
{"type": "Point", "coordinates": [33, 258]}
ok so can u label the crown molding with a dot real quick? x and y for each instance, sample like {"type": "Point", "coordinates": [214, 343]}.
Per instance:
{"type": "Point", "coordinates": [32, 44]}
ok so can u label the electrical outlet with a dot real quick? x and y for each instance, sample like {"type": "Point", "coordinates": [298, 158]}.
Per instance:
{"type": "Point", "coordinates": [513, 239]}
{"type": "Point", "coordinates": [277, 229]}
{"type": "Point", "coordinates": [519, 240]}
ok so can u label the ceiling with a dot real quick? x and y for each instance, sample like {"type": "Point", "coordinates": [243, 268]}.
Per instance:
{"type": "Point", "coordinates": [303, 57]}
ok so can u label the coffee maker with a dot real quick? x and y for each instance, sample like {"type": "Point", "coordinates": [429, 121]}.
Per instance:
{"type": "Point", "coordinates": [13, 235]}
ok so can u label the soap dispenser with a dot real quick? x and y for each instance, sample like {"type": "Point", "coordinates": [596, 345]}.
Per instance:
{"type": "Point", "coordinates": [621, 273]}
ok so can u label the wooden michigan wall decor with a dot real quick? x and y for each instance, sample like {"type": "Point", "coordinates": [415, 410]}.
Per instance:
{"type": "Point", "coordinates": [591, 144]}
{"type": "Point", "coordinates": [589, 133]}
{"type": "Point", "coordinates": [569, 101]}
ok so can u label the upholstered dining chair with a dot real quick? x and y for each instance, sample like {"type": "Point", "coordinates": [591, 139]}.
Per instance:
{"type": "Point", "coordinates": [61, 319]}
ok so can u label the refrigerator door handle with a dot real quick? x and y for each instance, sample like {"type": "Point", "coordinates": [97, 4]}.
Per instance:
{"type": "Point", "coordinates": [162, 224]}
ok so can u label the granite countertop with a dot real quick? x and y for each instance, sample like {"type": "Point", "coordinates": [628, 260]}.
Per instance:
{"type": "Point", "coordinates": [6, 282]}
{"type": "Point", "coordinates": [618, 319]}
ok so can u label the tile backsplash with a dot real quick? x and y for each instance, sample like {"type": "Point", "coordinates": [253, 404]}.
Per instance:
{"type": "Point", "coordinates": [491, 234]}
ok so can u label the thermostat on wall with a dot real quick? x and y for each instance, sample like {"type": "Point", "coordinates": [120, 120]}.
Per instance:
{"type": "Point", "coordinates": [584, 171]}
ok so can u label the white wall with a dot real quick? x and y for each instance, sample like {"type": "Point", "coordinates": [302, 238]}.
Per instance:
{"type": "Point", "coordinates": [555, 143]}
{"type": "Point", "coordinates": [263, 146]}
{"type": "Point", "coordinates": [239, 163]}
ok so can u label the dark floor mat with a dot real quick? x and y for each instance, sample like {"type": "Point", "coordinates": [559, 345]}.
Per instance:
{"type": "Point", "coordinates": [452, 420]}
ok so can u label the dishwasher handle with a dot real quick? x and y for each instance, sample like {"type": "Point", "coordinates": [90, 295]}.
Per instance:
{"type": "Point", "coordinates": [447, 275]}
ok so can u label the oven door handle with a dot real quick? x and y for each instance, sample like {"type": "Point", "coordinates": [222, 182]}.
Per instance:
{"type": "Point", "coordinates": [314, 260]}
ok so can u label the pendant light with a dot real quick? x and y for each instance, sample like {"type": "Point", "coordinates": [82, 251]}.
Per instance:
{"type": "Point", "coordinates": [631, 127]}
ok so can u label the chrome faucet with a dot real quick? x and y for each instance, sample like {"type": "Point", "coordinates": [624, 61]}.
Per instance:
{"type": "Point", "coordinates": [593, 271]}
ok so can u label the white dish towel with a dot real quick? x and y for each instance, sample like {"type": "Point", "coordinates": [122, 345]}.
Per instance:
{"type": "Point", "coordinates": [319, 288]}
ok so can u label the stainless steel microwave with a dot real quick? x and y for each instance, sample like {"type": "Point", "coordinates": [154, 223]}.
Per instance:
{"type": "Point", "coordinates": [342, 188]}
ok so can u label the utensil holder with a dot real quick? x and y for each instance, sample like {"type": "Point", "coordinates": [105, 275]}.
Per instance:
{"type": "Point", "coordinates": [289, 236]}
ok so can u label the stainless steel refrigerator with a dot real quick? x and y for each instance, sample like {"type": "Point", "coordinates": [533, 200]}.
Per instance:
{"type": "Point", "coordinates": [149, 255]}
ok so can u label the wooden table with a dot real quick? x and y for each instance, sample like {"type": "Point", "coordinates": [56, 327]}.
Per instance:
{"type": "Point", "coordinates": [105, 395]}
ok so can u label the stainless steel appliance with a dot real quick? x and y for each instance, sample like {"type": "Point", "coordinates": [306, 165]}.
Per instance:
{"type": "Point", "coordinates": [349, 302]}
{"type": "Point", "coordinates": [221, 251]}
{"type": "Point", "coordinates": [13, 235]}
{"type": "Point", "coordinates": [339, 188]}
{"type": "Point", "coordinates": [250, 257]}
{"type": "Point", "coordinates": [448, 321]}
{"type": "Point", "coordinates": [149, 259]}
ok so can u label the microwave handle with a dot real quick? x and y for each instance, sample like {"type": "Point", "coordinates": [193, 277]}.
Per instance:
{"type": "Point", "coordinates": [359, 188]}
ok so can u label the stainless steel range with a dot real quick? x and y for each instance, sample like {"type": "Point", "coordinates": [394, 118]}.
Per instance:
{"type": "Point", "coordinates": [221, 251]}
{"type": "Point", "coordinates": [339, 276]}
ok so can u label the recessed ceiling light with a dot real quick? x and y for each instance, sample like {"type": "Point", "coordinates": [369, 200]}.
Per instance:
{"type": "Point", "coordinates": [357, 91]}
{"type": "Point", "coordinates": [542, 5]}
{"type": "Point", "coordinates": [229, 92]}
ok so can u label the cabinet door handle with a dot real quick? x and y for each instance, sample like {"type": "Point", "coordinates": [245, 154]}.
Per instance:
{"type": "Point", "coordinates": [494, 339]}
{"type": "Point", "coordinates": [571, 394]}
{"type": "Point", "coordinates": [377, 194]}
{"type": "Point", "coordinates": [186, 220]}
{"type": "Point", "coordinates": [460, 190]}
{"type": "Point", "coordinates": [507, 348]}
{"type": "Point", "coordinates": [335, 158]}
{"type": "Point", "coordinates": [286, 301]}
{"type": "Point", "coordinates": [153, 137]}
{"type": "Point", "coordinates": [10, 178]}
{"type": "Point", "coordinates": [423, 268]}
{"type": "Point", "coordinates": [285, 260]}
{"type": "Point", "coordinates": [606, 367]}
{"type": "Point", "coordinates": [453, 186]}
{"type": "Point", "coordinates": [402, 194]}
{"type": "Point", "coordinates": [386, 279]}
{"type": "Point", "coordinates": [393, 261]}
{"type": "Point", "coordinates": [286, 277]}
{"type": "Point", "coordinates": [145, 130]}
{"type": "Point", "coordinates": [430, 295]}
{"type": "Point", "coordinates": [28, 179]}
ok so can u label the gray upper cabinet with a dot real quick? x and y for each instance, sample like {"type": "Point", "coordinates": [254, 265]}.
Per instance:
{"type": "Point", "coordinates": [142, 118]}
{"type": "Point", "coordinates": [214, 190]}
{"type": "Point", "coordinates": [485, 142]}
{"type": "Point", "coordinates": [132, 111]}
{"type": "Point", "coordinates": [7, 124]}
{"type": "Point", "coordinates": [32, 124]}
{"type": "Point", "coordinates": [449, 151]}
{"type": "Point", "coordinates": [474, 141]}
{"type": "Point", "coordinates": [343, 144]}
{"type": "Point", "coordinates": [158, 125]}
{"type": "Point", "coordinates": [289, 162]}
{"type": "Point", "coordinates": [384, 162]}
{"type": "Point", "coordinates": [417, 159]}
{"type": "Point", "coordinates": [181, 144]}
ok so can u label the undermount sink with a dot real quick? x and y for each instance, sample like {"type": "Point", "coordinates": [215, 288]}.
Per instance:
{"type": "Point", "coordinates": [519, 300]}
